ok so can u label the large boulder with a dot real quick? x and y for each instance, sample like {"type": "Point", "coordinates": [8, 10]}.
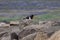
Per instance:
{"type": "Point", "coordinates": [49, 28]}
{"type": "Point", "coordinates": [30, 30]}
{"type": "Point", "coordinates": [26, 32]}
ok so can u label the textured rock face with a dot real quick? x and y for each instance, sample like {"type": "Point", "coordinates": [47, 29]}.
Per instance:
{"type": "Point", "coordinates": [41, 36]}
{"type": "Point", "coordinates": [34, 32]}
{"type": "Point", "coordinates": [26, 32]}
{"type": "Point", "coordinates": [24, 23]}
{"type": "Point", "coordinates": [50, 27]}
{"type": "Point", "coordinates": [55, 36]}
{"type": "Point", "coordinates": [6, 33]}
{"type": "Point", "coordinates": [14, 36]}
{"type": "Point", "coordinates": [6, 38]}
{"type": "Point", "coordinates": [29, 37]}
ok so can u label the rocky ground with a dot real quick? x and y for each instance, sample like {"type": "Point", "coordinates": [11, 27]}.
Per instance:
{"type": "Point", "coordinates": [45, 30]}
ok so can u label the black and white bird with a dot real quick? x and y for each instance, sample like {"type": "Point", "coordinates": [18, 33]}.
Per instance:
{"type": "Point", "coordinates": [29, 17]}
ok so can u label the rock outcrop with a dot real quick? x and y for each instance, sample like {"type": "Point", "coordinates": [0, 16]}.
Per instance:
{"type": "Point", "coordinates": [41, 36]}
{"type": "Point", "coordinates": [55, 36]}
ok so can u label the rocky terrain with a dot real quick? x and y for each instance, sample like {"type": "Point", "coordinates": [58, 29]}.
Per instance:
{"type": "Point", "coordinates": [45, 30]}
{"type": "Point", "coordinates": [42, 27]}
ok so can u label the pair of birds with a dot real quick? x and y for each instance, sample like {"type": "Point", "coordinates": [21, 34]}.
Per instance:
{"type": "Point", "coordinates": [29, 17]}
